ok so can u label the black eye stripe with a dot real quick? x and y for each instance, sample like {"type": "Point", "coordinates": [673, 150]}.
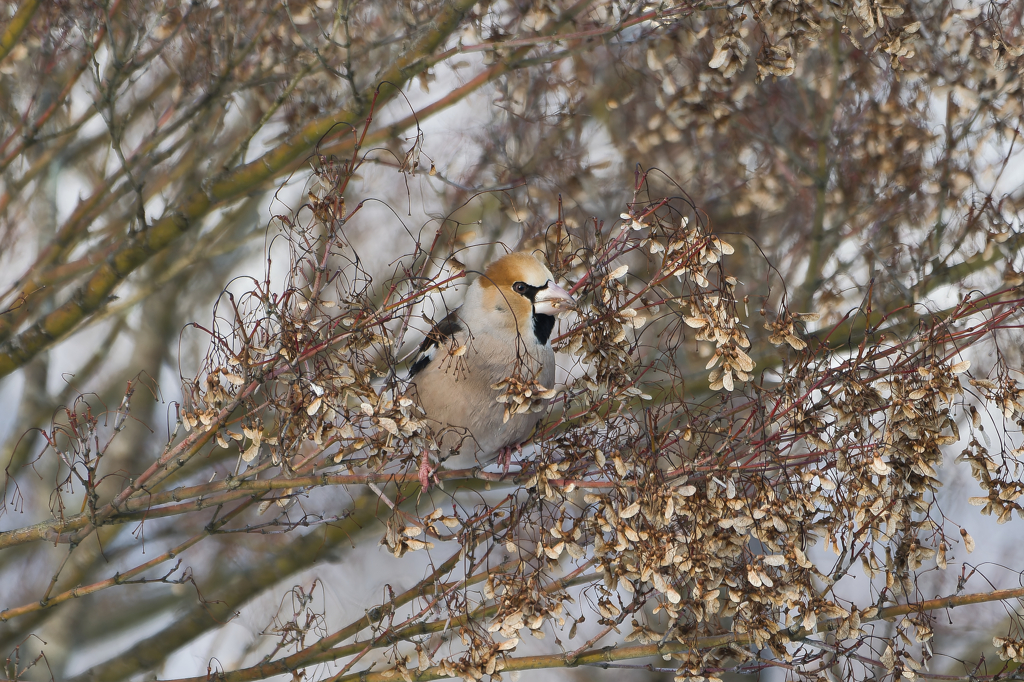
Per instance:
{"type": "Point", "coordinates": [526, 290]}
{"type": "Point", "coordinates": [542, 324]}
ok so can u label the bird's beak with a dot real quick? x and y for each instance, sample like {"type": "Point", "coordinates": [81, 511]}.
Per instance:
{"type": "Point", "coordinates": [552, 300]}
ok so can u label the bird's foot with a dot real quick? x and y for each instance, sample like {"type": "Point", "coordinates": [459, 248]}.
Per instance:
{"type": "Point", "coordinates": [426, 470]}
{"type": "Point", "coordinates": [505, 457]}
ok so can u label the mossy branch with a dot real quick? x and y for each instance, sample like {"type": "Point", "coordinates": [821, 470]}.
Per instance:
{"type": "Point", "coordinates": [17, 26]}
{"type": "Point", "coordinates": [138, 249]}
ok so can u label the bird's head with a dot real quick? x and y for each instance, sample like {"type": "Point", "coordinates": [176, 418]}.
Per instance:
{"type": "Point", "coordinates": [518, 287]}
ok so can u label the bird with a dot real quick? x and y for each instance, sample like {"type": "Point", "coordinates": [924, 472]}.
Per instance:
{"type": "Point", "coordinates": [502, 329]}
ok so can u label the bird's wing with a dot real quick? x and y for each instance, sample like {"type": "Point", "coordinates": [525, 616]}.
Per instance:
{"type": "Point", "coordinates": [441, 333]}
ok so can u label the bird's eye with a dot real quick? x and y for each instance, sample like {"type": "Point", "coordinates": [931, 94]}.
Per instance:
{"type": "Point", "coordinates": [519, 288]}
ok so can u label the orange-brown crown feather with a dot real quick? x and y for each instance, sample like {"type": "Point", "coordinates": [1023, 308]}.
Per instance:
{"type": "Point", "coordinates": [498, 295]}
{"type": "Point", "coordinates": [515, 267]}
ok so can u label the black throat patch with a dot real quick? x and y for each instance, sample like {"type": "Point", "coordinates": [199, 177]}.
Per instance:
{"type": "Point", "coordinates": [542, 326]}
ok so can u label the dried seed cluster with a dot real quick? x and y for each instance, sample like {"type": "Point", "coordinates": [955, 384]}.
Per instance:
{"type": "Point", "coordinates": [688, 519]}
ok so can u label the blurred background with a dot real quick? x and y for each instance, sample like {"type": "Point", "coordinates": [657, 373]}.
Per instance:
{"type": "Point", "coordinates": [152, 154]}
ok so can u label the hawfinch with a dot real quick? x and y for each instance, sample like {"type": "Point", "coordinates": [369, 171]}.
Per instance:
{"type": "Point", "coordinates": [502, 329]}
